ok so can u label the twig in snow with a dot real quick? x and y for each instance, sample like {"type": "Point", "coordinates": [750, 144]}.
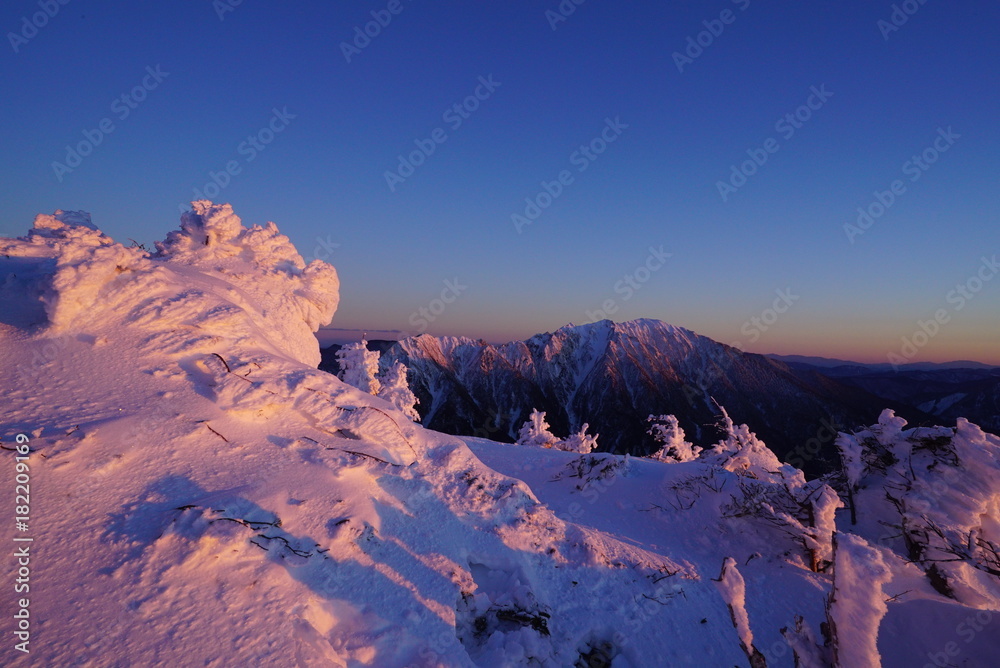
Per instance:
{"type": "Point", "coordinates": [893, 598]}
{"type": "Point", "coordinates": [215, 432]}
{"type": "Point", "coordinates": [365, 454]}
{"type": "Point", "coordinates": [646, 510]}
{"type": "Point", "coordinates": [224, 363]}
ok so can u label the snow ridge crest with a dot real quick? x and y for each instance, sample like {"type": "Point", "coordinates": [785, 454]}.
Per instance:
{"type": "Point", "coordinates": [86, 280]}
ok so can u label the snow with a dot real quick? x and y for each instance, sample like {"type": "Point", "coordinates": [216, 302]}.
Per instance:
{"type": "Point", "coordinates": [201, 494]}
{"type": "Point", "coordinates": [263, 271]}
{"type": "Point", "coordinates": [857, 604]}
{"type": "Point", "coordinates": [889, 427]}
{"type": "Point", "coordinates": [535, 432]}
{"type": "Point", "coordinates": [734, 592]}
{"type": "Point", "coordinates": [931, 493]}
{"type": "Point", "coordinates": [939, 406]}
{"type": "Point", "coordinates": [395, 389]}
{"type": "Point", "coordinates": [666, 431]}
{"type": "Point", "coordinates": [850, 450]}
{"type": "Point", "coordinates": [825, 505]}
{"type": "Point", "coordinates": [359, 367]}
{"type": "Point", "coordinates": [741, 451]}
{"type": "Point", "coordinates": [579, 441]}
{"type": "Point", "coordinates": [808, 651]}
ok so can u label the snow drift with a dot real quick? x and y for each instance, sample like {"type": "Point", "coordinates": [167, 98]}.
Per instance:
{"type": "Point", "coordinates": [253, 278]}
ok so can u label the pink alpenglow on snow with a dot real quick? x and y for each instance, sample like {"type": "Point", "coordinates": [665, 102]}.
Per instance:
{"type": "Point", "coordinates": [202, 494]}
{"type": "Point", "coordinates": [857, 604]}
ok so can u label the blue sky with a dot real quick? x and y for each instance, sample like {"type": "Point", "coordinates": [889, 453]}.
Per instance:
{"type": "Point", "coordinates": [447, 230]}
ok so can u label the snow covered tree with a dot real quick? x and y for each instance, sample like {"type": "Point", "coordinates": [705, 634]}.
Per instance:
{"type": "Point", "coordinates": [805, 511]}
{"type": "Point", "coordinates": [536, 432]}
{"type": "Point", "coordinates": [777, 493]}
{"type": "Point", "coordinates": [851, 456]}
{"type": "Point", "coordinates": [581, 441]}
{"type": "Point", "coordinates": [733, 589]}
{"type": "Point", "coordinates": [741, 452]}
{"type": "Point", "coordinates": [396, 390]}
{"type": "Point", "coordinates": [666, 431]}
{"type": "Point", "coordinates": [857, 602]}
{"type": "Point", "coordinates": [853, 467]}
{"type": "Point", "coordinates": [939, 486]}
{"type": "Point", "coordinates": [820, 526]}
{"type": "Point", "coordinates": [359, 366]}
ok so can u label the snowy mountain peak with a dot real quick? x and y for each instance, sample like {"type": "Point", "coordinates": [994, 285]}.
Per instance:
{"type": "Point", "coordinates": [625, 328]}
{"type": "Point", "coordinates": [613, 376]}
{"type": "Point", "coordinates": [647, 331]}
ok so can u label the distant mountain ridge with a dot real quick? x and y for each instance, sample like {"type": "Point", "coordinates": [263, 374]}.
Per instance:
{"type": "Point", "coordinates": [613, 375]}
{"type": "Point", "coordinates": [832, 363]}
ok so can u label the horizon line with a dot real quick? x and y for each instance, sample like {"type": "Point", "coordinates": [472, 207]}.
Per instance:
{"type": "Point", "coordinates": [351, 335]}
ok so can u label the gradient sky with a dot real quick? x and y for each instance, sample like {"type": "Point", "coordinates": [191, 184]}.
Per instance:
{"type": "Point", "coordinates": [322, 178]}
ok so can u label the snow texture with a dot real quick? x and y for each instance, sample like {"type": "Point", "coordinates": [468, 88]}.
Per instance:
{"type": "Point", "coordinates": [666, 431]}
{"type": "Point", "coordinates": [359, 367]}
{"type": "Point", "coordinates": [579, 441]}
{"type": "Point", "coordinates": [733, 589]}
{"type": "Point", "coordinates": [535, 432]}
{"type": "Point", "coordinates": [857, 603]}
{"type": "Point", "coordinates": [851, 451]}
{"type": "Point", "coordinates": [395, 389]}
{"type": "Point", "coordinates": [201, 494]}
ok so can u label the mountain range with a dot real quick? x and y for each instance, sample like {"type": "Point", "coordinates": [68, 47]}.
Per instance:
{"type": "Point", "coordinates": [612, 376]}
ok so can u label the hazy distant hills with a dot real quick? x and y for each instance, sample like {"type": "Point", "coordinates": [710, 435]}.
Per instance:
{"type": "Point", "coordinates": [945, 391]}
{"type": "Point", "coordinates": [613, 375]}
{"type": "Point", "coordinates": [946, 394]}
{"type": "Point", "coordinates": [845, 367]}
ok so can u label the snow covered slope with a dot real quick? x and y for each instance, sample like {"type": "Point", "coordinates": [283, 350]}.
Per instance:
{"type": "Point", "coordinates": [201, 495]}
